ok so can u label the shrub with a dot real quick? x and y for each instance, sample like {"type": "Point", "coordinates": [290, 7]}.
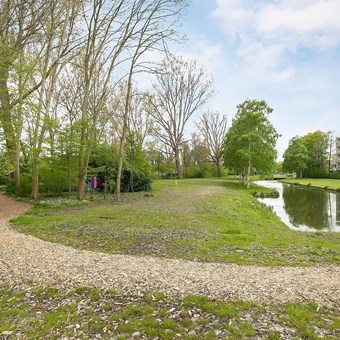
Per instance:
{"type": "Point", "coordinates": [25, 183]}
{"type": "Point", "coordinates": [334, 175]}
{"type": "Point", "coordinates": [203, 170]}
{"type": "Point", "coordinates": [315, 173]}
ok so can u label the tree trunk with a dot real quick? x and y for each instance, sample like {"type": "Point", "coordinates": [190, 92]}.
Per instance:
{"type": "Point", "coordinates": [69, 176]}
{"type": "Point", "coordinates": [12, 142]}
{"type": "Point", "coordinates": [125, 126]}
{"type": "Point", "coordinates": [178, 163]}
{"type": "Point", "coordinates": [119, 171]}
{"type": "Point", "coordinates": [16, 173]}
{"type": "Point", "coordinates": [35, 179]}
{"type": "Point", "coordinates": [81, 186]}
{"type": "Point", "coordinates": [242, 176]}
{"type": "Point", "coordinates": [218, 168]}
{"type": "Point", "coordinates": [248, 175]}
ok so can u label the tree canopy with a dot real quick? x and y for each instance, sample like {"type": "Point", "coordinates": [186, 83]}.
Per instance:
{"type": "Point", "coordinates": [251, 140]}
{"type": "Point", "coordinates": [296, 157]}
{"type": "Point", "coordinates": [309, 155]}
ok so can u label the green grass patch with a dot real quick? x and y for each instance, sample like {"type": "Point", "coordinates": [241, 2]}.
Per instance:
{"type": "Point", "coordinates": [322, 183]}
{"type": "Point", "coordinates": [49, 313]}
{"type": "Point", "coordinates": [212, 220]}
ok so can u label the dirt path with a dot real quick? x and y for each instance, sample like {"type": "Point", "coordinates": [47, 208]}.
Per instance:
{"type": "Point", "coordinates": [27, 258]}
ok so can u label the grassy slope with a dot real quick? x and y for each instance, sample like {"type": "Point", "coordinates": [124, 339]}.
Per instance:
{"type": "Point", "coordinates": [206, 220]}
{"type": "Point", "coordinates": [328, 183]}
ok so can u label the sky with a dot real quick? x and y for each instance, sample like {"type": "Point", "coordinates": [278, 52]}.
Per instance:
{"type": "Point", "coordinates": [286, 52]}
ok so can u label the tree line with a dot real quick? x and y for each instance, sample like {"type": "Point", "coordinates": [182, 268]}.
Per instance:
{"type": "Point", "coordinates": [69, 98]}
{"type": "Point", "coordinates": [311, 155]}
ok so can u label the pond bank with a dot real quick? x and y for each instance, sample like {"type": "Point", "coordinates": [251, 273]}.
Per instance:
{"type": "Point", "coordinates": [316, 183]}
{"type": "Point", "coordinates": [304, 208]}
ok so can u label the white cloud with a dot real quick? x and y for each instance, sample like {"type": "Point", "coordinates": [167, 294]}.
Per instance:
{"type": "Point", "coordinates": [312, 23]}
{"type": "Point", "coordinates": [267, 32]}
{"type": "Point", "coordinates": [209, 55]}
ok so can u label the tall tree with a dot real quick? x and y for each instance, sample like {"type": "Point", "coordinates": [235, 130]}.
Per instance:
{"type": "Point", "coordinates": [155, 27]}
{"type": "Point", "coordinates": [213, 127]}
{"type": "Point", "coordinates": [251, 140]}
{"type": "Point", "coordinates": [118, 33]}
{"type": "Point", "coordinates": [20, 27]}
{"type": "Point", "coordinates": [317, 144]}
{"type": "Point", "coordinates": [58, 44]}
{"type": "Point", "coordinates": [181, 89]}
{"type": "Point", "coordinates": [296, 156]}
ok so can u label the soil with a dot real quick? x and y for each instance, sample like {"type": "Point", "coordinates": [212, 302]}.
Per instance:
{"type": "Point", "coordinates": [24, 258]}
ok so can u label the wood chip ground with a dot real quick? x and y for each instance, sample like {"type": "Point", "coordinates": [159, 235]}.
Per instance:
{"type": "Point", "coordinates": [25, 258]}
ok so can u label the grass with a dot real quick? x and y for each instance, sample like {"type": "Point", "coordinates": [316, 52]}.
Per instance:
{"type": "Point", "coordinates": [213, 220]}
{"type": "Point", "coordinates": [28, 312]}
{"type": "Point", "coordinates": [323, 183]}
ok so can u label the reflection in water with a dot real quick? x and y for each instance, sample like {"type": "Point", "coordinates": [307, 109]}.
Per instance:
{"type": "Point", "coordinates": [305, 208]}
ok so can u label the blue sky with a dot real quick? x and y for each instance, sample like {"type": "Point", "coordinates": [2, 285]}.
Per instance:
{"type": "Point", "coordinates": [286, 52]}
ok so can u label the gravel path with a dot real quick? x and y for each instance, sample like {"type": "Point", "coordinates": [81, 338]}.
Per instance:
{"type": "Point", "coordinates": [24, 257]}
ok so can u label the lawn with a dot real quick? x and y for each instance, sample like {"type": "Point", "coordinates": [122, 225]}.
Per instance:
{"type": "Point", "coordinates": [324, 183]}
{"type": "Point", "coordinates": [29, 312]}
{"type": "Point", "coordinates": [212, 220]}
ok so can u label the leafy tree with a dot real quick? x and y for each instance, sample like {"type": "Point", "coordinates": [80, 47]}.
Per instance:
{"type": "Point", "coordinates": [317, 145]}
{"type": "Point", "coordinates": [296, 157]}
{"type": "Point", "coordinates": [250, 142]}
{"type": "Point", "coordinates": [136, 165]}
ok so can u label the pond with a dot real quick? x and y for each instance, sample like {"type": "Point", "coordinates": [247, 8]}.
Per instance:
{"type": "Point", "coordinates": [303, 208]}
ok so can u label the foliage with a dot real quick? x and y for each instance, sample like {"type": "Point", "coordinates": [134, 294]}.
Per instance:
{"type": "Point", "coordinates": [5, 166]}
{"type": "Point", "coordinates": [136, 167]}
{"type": "Point", "coordinates": [315, 173]}
{"type": "Point", "coordinates": [250, 142]}
{"type": "Point", "coordinates": [334, 175]}
{"type": "Point", "coordinates": [308, 156]}
{"type": "Point", "coordinates": [26, 183]}
{"type": "Point", "coordinates": [104, 163]}
{"type": "Point", "coordinates": [296, 157]}
{"type": "Point", "coordinates": [204, 170]}
{"type": "Point", "coordinates": [317, 144]}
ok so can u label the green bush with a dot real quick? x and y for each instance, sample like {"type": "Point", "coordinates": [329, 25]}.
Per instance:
{"type": "Point", "coordinates": [315, 173]}
{"type": "Point", "coordinates": [204, 170]}
{"type": "Point", "coordinates": [334, 175]}
{"type": "Point", "coordinates": [25, 184]}
{"type": "Point", "coordinates": [139, 183]}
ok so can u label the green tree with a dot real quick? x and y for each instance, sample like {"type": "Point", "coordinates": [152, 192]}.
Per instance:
{"type": "Point", "coordinates": [136, 165]}
{"type": "Point", "coordinates": [251, 140]}
{"type": "Point", "coordinates": [317, 145]}
{"type": "Point", "coordinates": [296, 156]}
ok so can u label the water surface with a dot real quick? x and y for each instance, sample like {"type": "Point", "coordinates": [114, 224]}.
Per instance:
{"type": "Point", "coordinates": [303, 208]}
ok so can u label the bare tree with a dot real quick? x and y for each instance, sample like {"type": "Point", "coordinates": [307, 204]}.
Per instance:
{"type": "Point", "coordinates": [181, 89]}
{"type": "Point", "coordinates": [213, 127]}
